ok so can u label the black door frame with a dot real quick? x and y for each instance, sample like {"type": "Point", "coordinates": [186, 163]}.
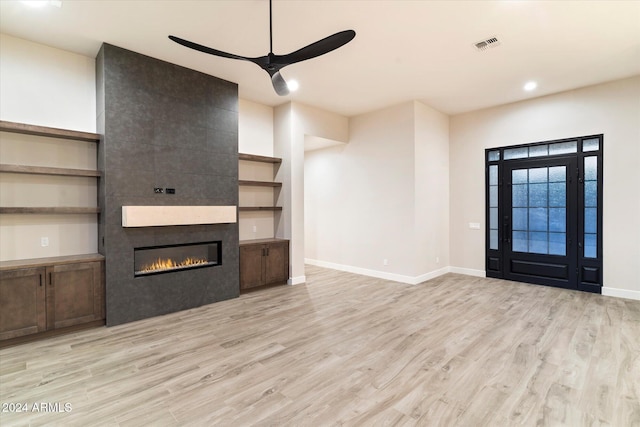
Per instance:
{"type": "Point", "coordinates": [586, 272]}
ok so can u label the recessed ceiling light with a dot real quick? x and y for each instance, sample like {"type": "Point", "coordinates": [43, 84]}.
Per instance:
{"type": "Point", "coordinates": [293, 85]}
{"type": "Point", "coordinates": [529, 86]}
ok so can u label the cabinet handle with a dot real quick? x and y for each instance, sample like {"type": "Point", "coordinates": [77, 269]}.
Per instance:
{"type": "Point", "coordinates": [267, 251]}
{"type": "Point", "coordinates": [40, 279]}
{"type": "Point", "coordinates": [50, 279]}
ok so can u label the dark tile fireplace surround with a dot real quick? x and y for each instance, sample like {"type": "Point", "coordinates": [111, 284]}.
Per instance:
{"type": "Point", "coordinates": [164, 126]}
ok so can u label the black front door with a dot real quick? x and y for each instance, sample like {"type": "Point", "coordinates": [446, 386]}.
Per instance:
{"type": "Point", "coordinates": [544, 213]}
{"type": "Point", "coordinates": [539, 235]}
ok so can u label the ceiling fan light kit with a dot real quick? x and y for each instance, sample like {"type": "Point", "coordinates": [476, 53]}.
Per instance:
{"type": "Point", "coordinates": [272, 63]}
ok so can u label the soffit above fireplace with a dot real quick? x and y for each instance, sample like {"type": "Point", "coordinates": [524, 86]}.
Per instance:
{"type": "Point", "coordinates": [157, 216]}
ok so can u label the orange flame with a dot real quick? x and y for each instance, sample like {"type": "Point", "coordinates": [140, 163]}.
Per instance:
{"type": "Point", "coordinates": [169, 264]}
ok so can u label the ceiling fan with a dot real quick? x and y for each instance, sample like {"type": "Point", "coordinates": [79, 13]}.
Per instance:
{"type": "Point", "coordinates": [272, 63]}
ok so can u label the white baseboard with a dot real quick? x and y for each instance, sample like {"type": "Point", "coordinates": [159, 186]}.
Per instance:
{"type": "Point", "coordinates": [621, 293]}
{"type": "Point", "coordinates": [297, 280]}
{"type": "Point", "coordinates": [611, 292]}
{"type": "Point", "coordinates": [468, 271]}
{"type": "Point", "coordinates": [431, 275]}
{"type": "Point", "coordinates": [379, 274]}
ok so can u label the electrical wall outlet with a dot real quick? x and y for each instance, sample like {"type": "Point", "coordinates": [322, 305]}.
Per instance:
{"type": "Point", "coordinates": [255, 228]}
{"type": "Point", "coordinates": [44, 241]}
{"type": "Point", "coordinates": [385, 262]}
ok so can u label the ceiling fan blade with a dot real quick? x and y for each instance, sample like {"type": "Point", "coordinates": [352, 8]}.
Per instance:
{"type": "Point", "coordinates": [318, 48]}
{"type": "Point", "coordinates": [279, 84]}
{"type": "Point", "coordinates": [273, 63]}
{"type": "Point", "coordinates": [209, 50]}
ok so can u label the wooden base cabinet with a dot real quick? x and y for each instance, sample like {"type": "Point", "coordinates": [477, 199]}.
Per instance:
{"type": "Point", "coordinates": [263, 262]}
{"type": "Point", "coordinates": [49, 297]}
{"type": "Point", "coordinates": [74, 294]}
{"type": "Point", "coordinates": [22, 302]}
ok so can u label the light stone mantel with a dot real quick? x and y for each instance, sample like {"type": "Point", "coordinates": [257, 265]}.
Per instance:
{"type": "Point", "coordinates": [157, 216]}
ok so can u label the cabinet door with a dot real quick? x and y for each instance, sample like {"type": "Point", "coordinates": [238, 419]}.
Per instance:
{"type": "Point", "coordinates": [251, 266]}
{"type": "Point", "coordinates": [74, 294]}
{"type": "Point", "coordinates": [276, 263]}
{"type": "Point", "coordinates": [22, 302]}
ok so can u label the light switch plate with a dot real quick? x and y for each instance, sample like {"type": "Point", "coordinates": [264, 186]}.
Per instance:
{"type": "Point", "coordinates": [474, 225]}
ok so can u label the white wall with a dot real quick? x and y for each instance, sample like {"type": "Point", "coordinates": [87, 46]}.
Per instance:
{"type": "Point", "coordinates": [321, 123]}
{"type": "Point", "coordinates": [284, 146]}
{"type": "Point", "coordinates": [255, 136]}
{"type": "Point", "coordinates": [612, 109]}
{"type": "Point", "coordinates": [383, 196]}
{"type": "Point", "coordinates": [255, 128]}
{"type": "Point", "coordinates": [293, 122]}
{"type": "Point", "coordinates": [48, 87]}
{"type": "Point", "coordinates": [44, 86]}
{"type": "Point", "coordinates": [360, 196]}
{"type": "Point", "coordinates": [431, 191]}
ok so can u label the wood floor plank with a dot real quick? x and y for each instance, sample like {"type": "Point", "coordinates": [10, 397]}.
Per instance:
{"type": "Point", "coordinates": [345, 349]}
{"type": "Point", "coordinates": [525, 402]}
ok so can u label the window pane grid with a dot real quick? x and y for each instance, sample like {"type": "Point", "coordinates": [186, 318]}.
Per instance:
{"type": "Point", "coordinates": [590, 204]}
{"type": "Point", "coordinates": [539, 210]}
{"type": "Point", "coordinates": [541, 150]}
{"type": "Point", "coordinates": [493, 205]}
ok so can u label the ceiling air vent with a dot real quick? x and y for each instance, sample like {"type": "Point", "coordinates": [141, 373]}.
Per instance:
{"type": "Point", "coordinates": [486, 44]}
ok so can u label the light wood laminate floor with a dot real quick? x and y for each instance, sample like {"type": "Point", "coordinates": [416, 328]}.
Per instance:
{"type": "Point", "coordinates": [347, 350]}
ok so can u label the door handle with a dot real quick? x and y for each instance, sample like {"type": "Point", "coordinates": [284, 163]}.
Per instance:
{"type": "Point", "coordinates": [506, 229]}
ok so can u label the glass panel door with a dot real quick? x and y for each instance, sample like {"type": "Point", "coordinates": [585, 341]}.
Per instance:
{"type": "Point", "coordinates": [539, 236]}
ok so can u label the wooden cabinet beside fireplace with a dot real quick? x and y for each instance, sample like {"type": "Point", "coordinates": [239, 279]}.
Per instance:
{"type": "Point", "coordinates": [50, 294]}
{"type": "Point", "coordinates": [263, 262]}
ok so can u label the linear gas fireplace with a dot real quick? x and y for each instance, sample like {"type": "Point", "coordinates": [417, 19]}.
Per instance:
{"type": "Point", "coordinates": [171, 258]}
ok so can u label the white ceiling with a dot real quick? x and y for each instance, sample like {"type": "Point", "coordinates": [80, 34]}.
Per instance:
{"type": "Point", "coordinates": [403, 50]}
